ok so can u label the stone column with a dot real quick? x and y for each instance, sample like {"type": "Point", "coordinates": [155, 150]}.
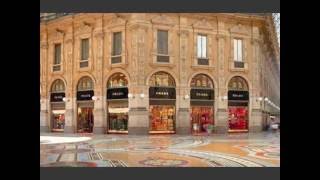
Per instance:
{"type": "Point", "coordinates": [68, 64]}
{"type": "Point", "coordinates": [44, 115]}
{"type": "Point", "coordinates": [183, 117]}
{"type": "Point", "coordinates": [138, 106]}
{"type": "Point", "coordinates": [256, 115]}
{"type": "Point", "coordinates": [99, 114]}
{"type": "Point", "coordinates": [221, 125]}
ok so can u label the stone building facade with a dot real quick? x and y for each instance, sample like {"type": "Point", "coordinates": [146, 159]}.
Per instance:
{"type": "Point", "coordinates": [127, 45]}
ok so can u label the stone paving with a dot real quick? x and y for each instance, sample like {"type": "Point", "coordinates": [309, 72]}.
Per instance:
{"type": "Point", "coordinates": [231, 150]}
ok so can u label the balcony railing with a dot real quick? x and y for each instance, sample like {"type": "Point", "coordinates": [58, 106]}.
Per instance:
{"type": "Point", "coordinates": [51, 16]}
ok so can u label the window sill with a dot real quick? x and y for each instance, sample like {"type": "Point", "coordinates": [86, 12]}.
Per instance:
{"type": "Point", "coordinates": [162, 64]}
{"type": "Point", "coordinates": [202, 66]}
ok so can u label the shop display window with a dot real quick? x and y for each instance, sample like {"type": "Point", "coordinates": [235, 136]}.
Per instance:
{"type": "Point", "coordinates": [238, 118]}
{"type": "Point", "coordinates": [201, 117]}
{"type": "Point", "coordinates": [162, 117]}
{"type": "Point", "coordinates": [118, 119]}
{"type": "Point", "coordinates": [85, 119]}
{"type": "Point", "coordinates": [58, 120]}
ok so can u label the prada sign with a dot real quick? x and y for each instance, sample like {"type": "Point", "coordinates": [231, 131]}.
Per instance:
{"type": "Point", "coordinates": [162, 93]}
{"type": "Point", "coordinates": [84, 95]}
{"type": "Point", "coordinates": [202, 94]}
{"type": "Point", "coordinates": [117, 93]}
{"type": "Point", "coordinates": [238, 95]}
{"type": "Point", "coordinates": [57, 97]}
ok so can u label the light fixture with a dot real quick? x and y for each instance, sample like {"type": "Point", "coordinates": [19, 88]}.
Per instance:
{"type": "Point", "coordinates": [266, 99]}
{"type": "Point", "coordinates": [94, 98]}
{"type": "Point", "coordinates": [130, 95]}
{"type": "Point", "coordinates": [64, 99]}
{"type": "Point", "coordinates": [186, 96]}
{"type": "Point", "coordinates": [141, 95]}
{"type": "Point", "coordinates": [224, 98]}
{"type": "Point", "coordinates": [260, 98]}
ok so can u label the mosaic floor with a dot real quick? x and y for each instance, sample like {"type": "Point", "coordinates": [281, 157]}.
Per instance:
{"type": "Point", "coordinates": [233, 150]}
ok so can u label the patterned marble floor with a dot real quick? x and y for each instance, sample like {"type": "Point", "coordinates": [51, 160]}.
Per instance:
{"type": "Point", "coordinates": [232, 150]}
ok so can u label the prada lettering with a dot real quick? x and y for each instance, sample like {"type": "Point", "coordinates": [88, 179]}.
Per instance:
{"type": "Point", "coordinates": [117, 93]}
{"type": "Point", "coordinates": [85, 95]}
{"type": "Point", "coordinates": [57, 97]}
{"type": "Point", "coordinates": [238, 95]}
{"type": "Point", "coordinates": [162, 93]}
{"type": "Point", "coordinates": [202, 94]}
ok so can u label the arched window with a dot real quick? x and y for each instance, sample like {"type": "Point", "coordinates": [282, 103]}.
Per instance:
{"type": "Point", "coordinates": [57, 86]}
{"type": "Point", "coordinates": [237, 83]}
{"type": "Point", "coordinates": [117, 80]}
{"type": "Point", "coordinates": [201, 81]}
{"type": "Point", "coordinates": [85, 84]}
{"type": "Point", "coordinates": [162, 79]}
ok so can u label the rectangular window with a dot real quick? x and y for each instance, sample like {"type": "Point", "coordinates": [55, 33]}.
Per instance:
{"type": "Point", "coordinates": [57, 54]}
{"type": "Point", "coordinates": [202, 46]}
{"type": "Point", "coordinates": [85, 49]}
{"type": "Point", "coordinates": [237, 50]}
{"type": "Point", "coordinates": [162, 42]}
{"type": "Point", "coordinates": [117, 44]}
{"type": "Point", "coordinates": [57, 57]}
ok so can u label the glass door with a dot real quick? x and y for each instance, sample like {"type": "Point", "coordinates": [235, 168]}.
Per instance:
{"type": "Point", "coordinates": [238, 118]}
{"type": "Point", "coordinates": [201, 117]}
{"type": "Point", "coordinates": [85, 119]}
{"type": "Point", "coordinates": [162, 118]}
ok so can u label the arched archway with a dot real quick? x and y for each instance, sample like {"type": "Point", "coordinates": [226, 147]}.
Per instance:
{"type": "Point", "coordinates": [57, 95]}
{"type": "Point", "coordinates": [202, 103]}
{"type": "Point", "coordinates": [162, 102]}
{"type": "Point", "coordinates": [238, 103]}
{"type": "Point", "coordinates": [117, 103]}
{"type": "Point", "coordinates": [85, 104]}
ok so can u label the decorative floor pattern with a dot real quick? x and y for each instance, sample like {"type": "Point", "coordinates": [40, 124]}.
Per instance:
{"type": "Point", "coordinates": [243, 150]}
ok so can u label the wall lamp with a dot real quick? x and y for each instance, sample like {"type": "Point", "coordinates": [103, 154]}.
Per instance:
{"type": "Point", "coordinates": [95, 98]}
{"type": "Point", "coordinates": [259, 98]}
{"type": "Point", "coordinates": [130, 95]}
{"type": "Point", "coordinates": [65, 99]}
{"type": "Point", "coordinates": [186, 96]}
{"type": "Point", "coordinates": [223, 98]}
{"type": "Point", "coordinates": [141, 95]}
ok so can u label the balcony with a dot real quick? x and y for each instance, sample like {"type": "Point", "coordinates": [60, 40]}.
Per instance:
{"type": "Point", "coordinates": [50, 16]}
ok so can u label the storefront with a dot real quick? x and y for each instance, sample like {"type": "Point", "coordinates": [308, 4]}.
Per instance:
{"type": "Point", "coordinates": [162, 103]}
{"type": "Point", "coordinates": [201, 103]}
{"type": "Point", "coordinates": [238, 103]}
{"type": "Point", "coordinates": [85, 105]}
{"type": "Point", "coordinates": [57, 106]}
{"type": "Point", "coordinates": [117, 104]}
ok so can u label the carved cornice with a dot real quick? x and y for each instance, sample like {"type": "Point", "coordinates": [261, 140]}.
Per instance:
{"type": "Point", "coordinates": [203, 24]}
{"type": "Point", "coordinates": [239, 29]}
{"type": "Point", "coordinates": [163, 19]}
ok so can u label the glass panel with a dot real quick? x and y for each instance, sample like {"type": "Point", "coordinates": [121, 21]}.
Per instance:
{"type": "Point", "coordinates": [201, 117]}
{"type": "Point", "coordinates": [201, 81]}
{"type": "Point", "coordinates": [58, 86]}
{"type": "Point", "coordinates": [235, 49]}
{"type": "Point", "coordinates": [57, 53]}
{"type": "Point", "coordinates": [118, 117]}
{"type": "Point", "coordinates": [162, 118]}
{"type": "Point", "coordinates": [117, 80]}
{"type": "Point", "coordinates": [84, 49]}
{"type": "Point", "coordinates": [239, 51]}
{"type": "Point", "coordinates": [238, 118]}
{"type": "Point", "coordinates": [162, 79]}
{"type": "Point", "coordinates": [85, 83]}
{"type": "Point", "coordinates": [238, 83]}
{"type": "Point", "coordinates": [204, 47]}
{"type": "Point", "coordinates": [199, 46]}
{"type": "Point", "coordinates": [85, 119]}
{"type": "Point", "coordinates": [58, 119]}
{"type": "Point", "coordinates": [162, 38]}
{"type": "Point", "coordinates": [117, 41]}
